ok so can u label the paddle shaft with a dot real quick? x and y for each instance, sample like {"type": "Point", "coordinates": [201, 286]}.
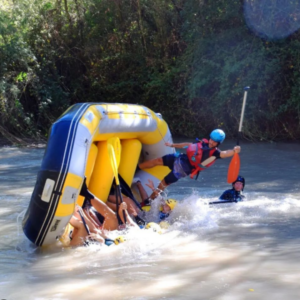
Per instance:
{"type": "Point", "coordinates": [220, 202]}
{"type": "Point", "coordinates": [246, 89]}
{"type": "Point", "coordinates": [119, 196]}
{"type": "Point", "coordinates": [234, 166]}
{"type": "Point", "coordinates": [111, 153]}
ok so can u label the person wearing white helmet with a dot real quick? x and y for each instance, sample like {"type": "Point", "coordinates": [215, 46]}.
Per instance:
{"type": "Point", "coordinates": [198, 157]}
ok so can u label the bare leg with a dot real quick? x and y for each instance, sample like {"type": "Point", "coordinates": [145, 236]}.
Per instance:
{"type": "Point", "coordinates": [91, 217]}
{"type": "Point", "coordinates": [142, 191]}
{"type": "Point", "coordinates": [79, 233]}
{"type": "Point", "coordinates": [151, 163]}
{"type": "Point", "coordinates": [131, 206]}
{"type": "Point", "coordinates": [110, 218]}
{"type": "Point", "coordinates": [111, 205]}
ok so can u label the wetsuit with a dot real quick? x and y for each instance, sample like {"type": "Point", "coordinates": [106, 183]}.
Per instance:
{"type": "Point", "coordinates": [180, 165]}
{"type": "Point", "coordinates": [232, 195]}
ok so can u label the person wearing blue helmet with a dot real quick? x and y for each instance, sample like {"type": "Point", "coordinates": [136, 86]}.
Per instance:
{"type": "Point", "coordinates": [236, 193]}
{"type": "Point", "coordinates": [198, 157]}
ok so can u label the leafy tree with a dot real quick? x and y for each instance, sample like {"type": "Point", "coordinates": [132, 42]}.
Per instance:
{"type": "Point", "coordinates": [187, 59]}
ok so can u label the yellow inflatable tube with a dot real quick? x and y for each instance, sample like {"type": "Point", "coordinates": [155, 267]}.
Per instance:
{"type": "Point", "coordinates": [77, 149]}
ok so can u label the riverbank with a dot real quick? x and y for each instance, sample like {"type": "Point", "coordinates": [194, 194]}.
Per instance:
{"type": "Point", "coordinates": [21, 142]}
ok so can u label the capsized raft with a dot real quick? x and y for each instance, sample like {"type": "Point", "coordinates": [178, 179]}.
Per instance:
{"type": "Point", "coordinates": [77, 148]}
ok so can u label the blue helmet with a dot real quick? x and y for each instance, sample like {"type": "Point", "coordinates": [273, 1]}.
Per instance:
{"type": "Point", "coordinates": [218, 135]}
{"type": "Point", "coordinates": [240, 179]}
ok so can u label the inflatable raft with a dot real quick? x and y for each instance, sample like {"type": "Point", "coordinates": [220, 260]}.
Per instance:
{"type": "Point", "coordinates": [77, 149]}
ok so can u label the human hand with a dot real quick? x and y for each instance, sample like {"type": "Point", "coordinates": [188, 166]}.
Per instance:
{"type": "Point", "coordinates": [169, 144]}
{"type": "Point", "coordinates": [237, 149]}
{"type": "Point", "coordinates": [123, 206]}
{"type": "Point", "coordinates": [150, 184]}
{"type": "Point", "coordinates": [77, 211]}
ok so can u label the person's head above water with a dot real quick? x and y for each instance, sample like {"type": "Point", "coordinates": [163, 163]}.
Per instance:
{"type": "Point", "coordinates": [217, 137]}
{"type": "Point", "coordinates": [168, 205]}
{"type": "Point", "coordinates": [239, 183]}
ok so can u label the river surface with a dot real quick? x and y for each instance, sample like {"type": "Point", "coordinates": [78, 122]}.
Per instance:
{"type": "Point", "coordinates": [249, 250]}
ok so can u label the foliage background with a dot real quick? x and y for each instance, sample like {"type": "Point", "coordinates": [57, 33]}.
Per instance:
{"type": "Point", "coordinates": [188, 60]}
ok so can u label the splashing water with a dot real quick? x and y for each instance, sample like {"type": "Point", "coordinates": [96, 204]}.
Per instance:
{"type": "Point", "coordinates": [208, 252]}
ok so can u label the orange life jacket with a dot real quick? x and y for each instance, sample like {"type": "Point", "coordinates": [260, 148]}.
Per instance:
{"type": "Point", "coordinates": [194, 153]}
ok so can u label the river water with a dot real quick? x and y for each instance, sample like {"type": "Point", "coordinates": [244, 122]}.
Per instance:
{"type": "Point", "coordinates": [249, 250]}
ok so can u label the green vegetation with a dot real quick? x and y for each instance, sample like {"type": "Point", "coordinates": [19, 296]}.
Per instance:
{"type": "Point", "coordinates": [188, 60]}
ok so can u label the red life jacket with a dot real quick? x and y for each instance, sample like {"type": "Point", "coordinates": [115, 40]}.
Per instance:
{"type": "Point", "coordinates": [194, 153]}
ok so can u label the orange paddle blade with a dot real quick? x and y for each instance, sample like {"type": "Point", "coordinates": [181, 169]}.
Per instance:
{"type": "Point", "coordinates": [234, 168]}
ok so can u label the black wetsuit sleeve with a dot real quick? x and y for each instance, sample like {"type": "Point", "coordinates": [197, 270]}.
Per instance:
{"type": "Point", "coordinates": [217, 153]}
{"type": "Point", "coordinates": [232, 195]}
{"type": "Point", "coordinates": [228, 195]}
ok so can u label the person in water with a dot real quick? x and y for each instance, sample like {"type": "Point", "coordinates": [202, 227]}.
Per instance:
{"type": "Point", "coordinates": [87, 228]}
{"type": "Point", "coordinates": [110, 219]}
{"type": "Point", "coordinates": [236, 193]}
{"type": "Point", "coordinates": [84, 229]}
{"type": "Point", "coordinates": [198, 157]}
{"type": "Point", "coordinates": [165, 208]}
{"type": "Point", "coordinates": [131, 206]}
{"type": "Point", "coordinates": [167, 205]}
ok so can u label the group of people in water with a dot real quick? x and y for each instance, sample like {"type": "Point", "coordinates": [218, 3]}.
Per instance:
{"type": "Point", "coordinates": [91, 221]}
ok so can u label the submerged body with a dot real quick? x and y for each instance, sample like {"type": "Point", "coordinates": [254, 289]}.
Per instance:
{"type": "Point", "coordinates": [236, 193]}
{"type": "Point", "coordinates": [232, 195]}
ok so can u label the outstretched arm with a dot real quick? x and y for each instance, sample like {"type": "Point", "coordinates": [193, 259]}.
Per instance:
{"type": "Point", "coordinates": [229, 153]}
{"type": "Point", "coordinates": [179, 145]}
{"type": "Point", "coordinates": [155, 191]}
